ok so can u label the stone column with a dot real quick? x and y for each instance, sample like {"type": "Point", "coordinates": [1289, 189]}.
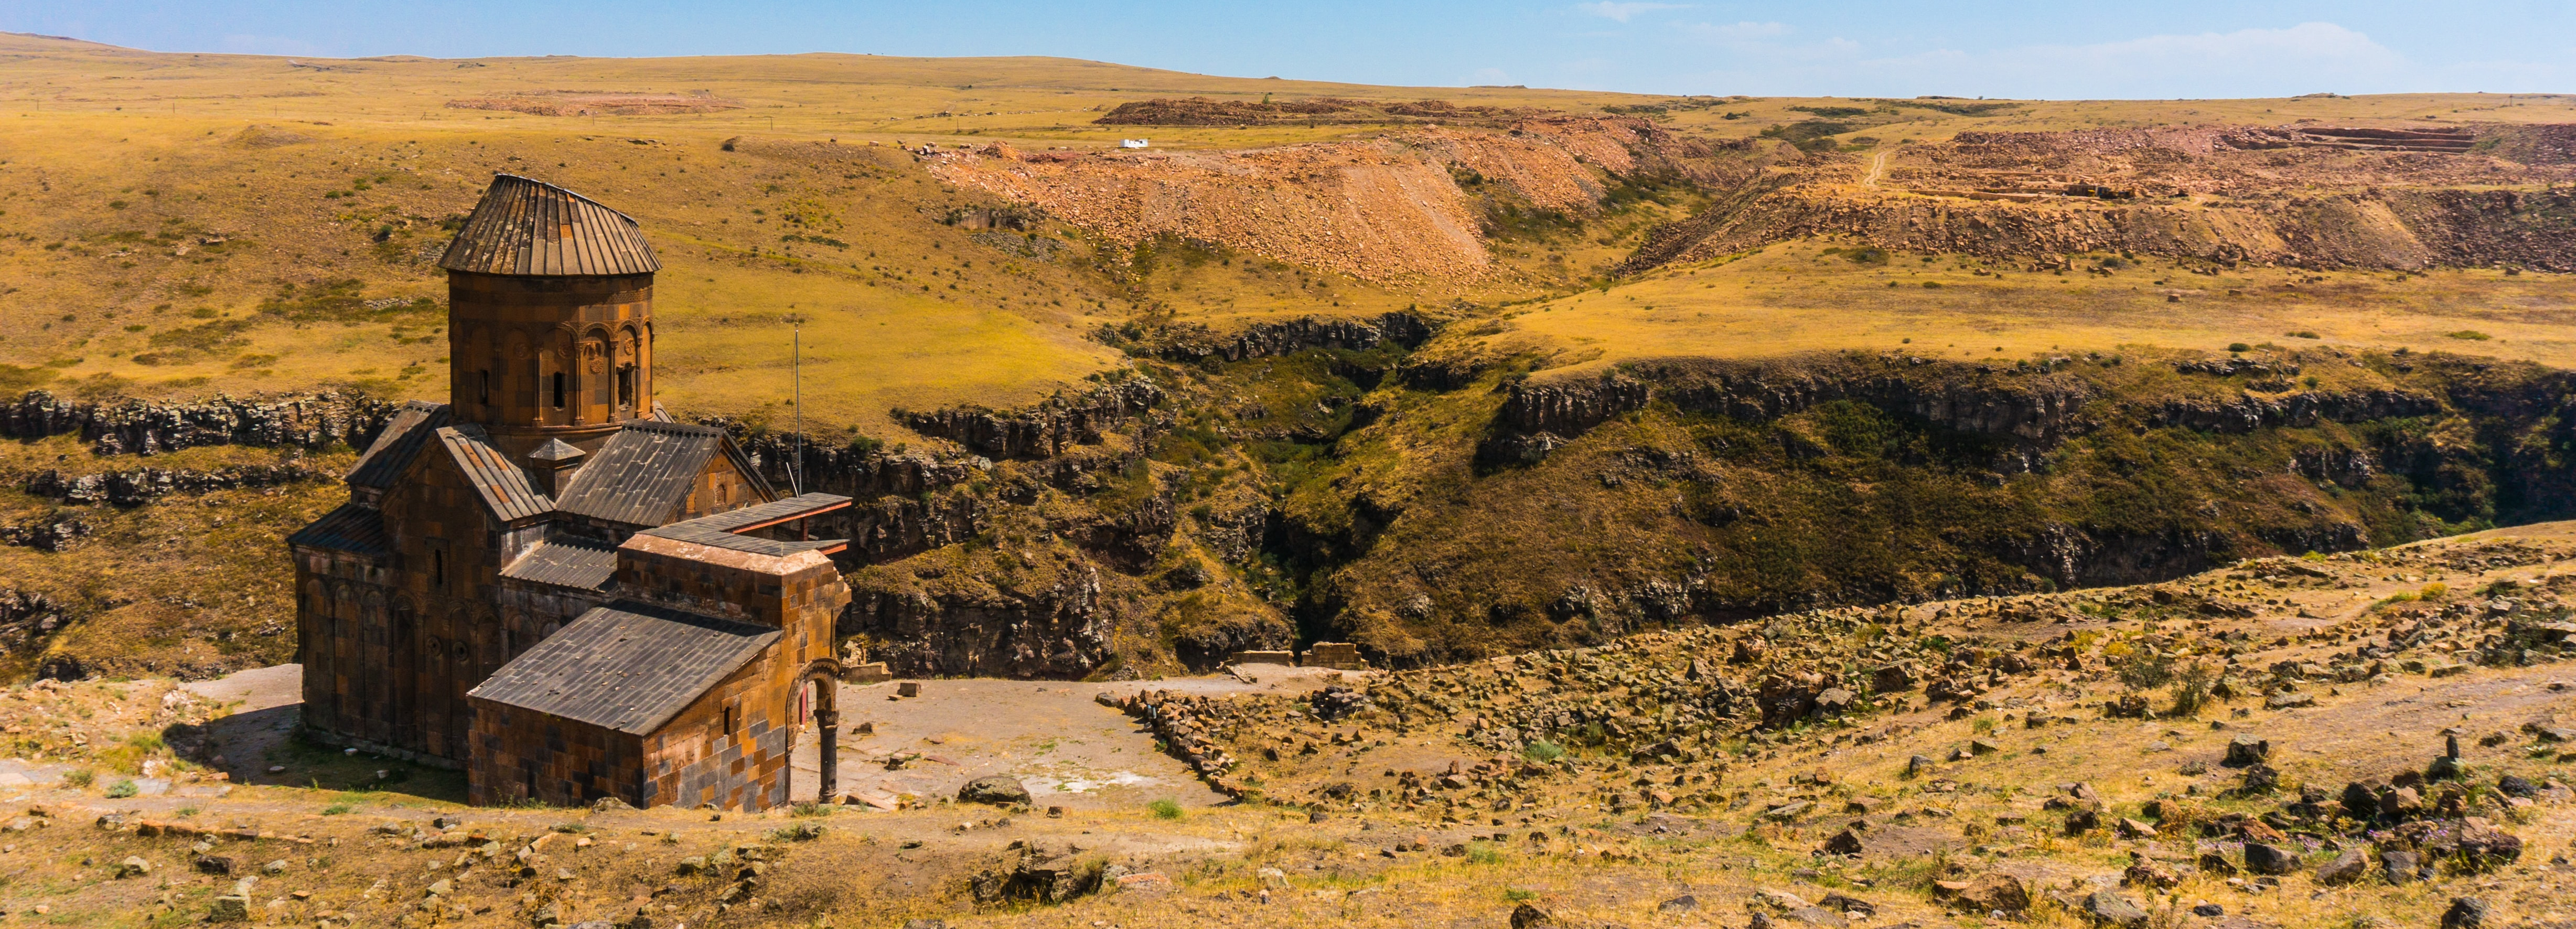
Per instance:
{"type": "Point", "coordinates": [830, 763]}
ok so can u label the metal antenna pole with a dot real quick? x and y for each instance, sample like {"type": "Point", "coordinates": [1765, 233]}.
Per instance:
{"type": "Point", "coordinates": [796, 365]}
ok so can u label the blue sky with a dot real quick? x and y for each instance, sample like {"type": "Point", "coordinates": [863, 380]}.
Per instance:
{"type": "Point", "coordinates": [2168, 48]}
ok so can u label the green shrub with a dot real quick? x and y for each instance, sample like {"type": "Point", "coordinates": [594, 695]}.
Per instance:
{"type": "Point", "coordinates": [1543, 751]}
{"type": "Point", "coordinates": [1165, 809]}
{"type": "Point", "coordinates": [801, 832]}
{"type": "Point", "coordinates": [2190, 688]}
{"type": "Point", "coordinates": [2146, 668]}
{"type": "Point", "coordinates": [339, 809]}
{"type": "Point", "coordinates": [80, 778]}
{"type": "Point", "coordinates": [122, 789]}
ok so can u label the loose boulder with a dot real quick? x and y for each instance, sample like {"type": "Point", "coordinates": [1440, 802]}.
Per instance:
{"type": "Point", "coordinates": [996, 789]}
{"type": "Point", "coordinates": [2262, 858]}
{"type": "Point", "coordinates": [2345, 868]}
{"type": "Point", "coordinates": [2465, 913]}
{"type": "Point", "coordinates": [2401, 866]}
{"type": "Point", "coordinates": [1992, 891]}
{"type": "Point", "coordinates": [2247, 751]}
{"type": "Point", "coordinates": [2111, 909]}
{"type": "Point", "coordinates": [1845, 842]}
{"type": "Point", "coordinates": [1525, 916]}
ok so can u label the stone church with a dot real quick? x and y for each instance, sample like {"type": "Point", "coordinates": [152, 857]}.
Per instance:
{"type": "Point", "coordinates": [547, 581]}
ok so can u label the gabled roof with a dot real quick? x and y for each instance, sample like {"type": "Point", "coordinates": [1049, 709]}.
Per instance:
{"type": "Point", "coordinates": [394, 448]}
{"type": "Point", "coordinates": [566, 561]}
{"type": "Point", "coordinates": [531, 228]}
{"type": "Point", "coordinates": [642, 475]}
{"type": "Point", "coordinates": [626, 666]}
{"type": "Point", "coordinates": [505, 488]}
{"type": "Point", "coordinates": [721, 530]}
{"type": "Point", "coordinates": [351, 528]}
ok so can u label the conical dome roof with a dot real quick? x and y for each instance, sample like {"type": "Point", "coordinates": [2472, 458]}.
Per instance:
{"type": "Point", "coordinates": [532, 228]}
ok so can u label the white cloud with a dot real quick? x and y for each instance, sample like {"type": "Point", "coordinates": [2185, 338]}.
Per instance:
{"type": "Point", "coordinates": [1735, 32]}
{"type": "Point", "coordinates": [1607, 9]}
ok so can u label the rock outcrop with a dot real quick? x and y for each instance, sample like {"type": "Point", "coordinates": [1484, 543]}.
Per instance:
{"type": "Point", "coordinates": [2030, 406]}
{"type": "Point", "coordinates": [145, 427]}
{"type": "Point", "coordinates": [50, 534]}
{"type": "Point", "coordinates": [1048, 430]}
{"type": "Point", "coordinates": [1054, 628]}
{"type": "Point", "coordinates": [27, 619]}
{"type": "Point", "coordinates": [138, 486]}
{"type": "Point", "coordinates": [1198, 343]}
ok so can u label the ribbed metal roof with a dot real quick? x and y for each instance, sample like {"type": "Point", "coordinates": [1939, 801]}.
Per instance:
{"type": "Point", "coordinates": [351, 528]}
{"type": "Point", "coordinates": [774, 512]}
{"type": "Point", "coordinates": [642, 475]}
{"type": "Point", "coordinates": [695, 534]}
{"type": "Point", "coordinates": [504, 487]}
{"type": "Point", "coordinates": [531, 228]}
{"type": "Point", "coordinates": [394, 448]}
{"type": "Point", "coordinates": [566, 561]}
{"type": "Point", "coordinates": [626, 666]}
{"type": "Point", "coordinates": [722, 530]}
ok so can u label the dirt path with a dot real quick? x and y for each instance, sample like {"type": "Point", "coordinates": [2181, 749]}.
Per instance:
{"type": "Point", "coordinates": [1062, 744]}
{"type": "Point", "coordinates": [1877, 169]}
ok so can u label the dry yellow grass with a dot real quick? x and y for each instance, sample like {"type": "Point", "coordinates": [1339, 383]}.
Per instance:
{"type": "Point", "coordinates": [120, 164]}
{"type": "Point", "coordinates": [1260, 864]}
{"type": "Point", "coordinates": [1794, 298]}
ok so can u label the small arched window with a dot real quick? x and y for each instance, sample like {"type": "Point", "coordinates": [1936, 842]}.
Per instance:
{"type": "Point", "coordinates": [559, 390]}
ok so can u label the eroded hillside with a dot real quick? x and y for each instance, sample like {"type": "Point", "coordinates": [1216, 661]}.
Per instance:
{"type": "Point", "coordinates": [1440, 374]}
{"type": "Point", "coordinates": [2374, 738]}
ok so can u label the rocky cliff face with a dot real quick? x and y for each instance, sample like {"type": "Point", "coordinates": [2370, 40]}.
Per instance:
{"type": "Point", "coordinates": [145, 427]}
{"type": "Point", "coordinates": [2027, 406]}
{"type": "Point", "coordinates": [1197, 343]}
{"type": "Point", "coordinates": [965, 625]}
{"type": "Point", "coordinates": [1691, 490]}
{"type": "Point", "coordinates": [2249, 412]}
{"type": "Point", "coordinates": [1045, 431]}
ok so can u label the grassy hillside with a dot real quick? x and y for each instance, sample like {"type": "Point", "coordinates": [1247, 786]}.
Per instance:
{"type": "Point", "coordinates": [177, 224]}
{"type": "Point", "coordinates": [964, 233]}
{"type": "Point", "coordinates": [1816, 296]}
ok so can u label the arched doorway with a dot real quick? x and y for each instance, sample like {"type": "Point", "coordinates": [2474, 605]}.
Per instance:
{"type": "Point", "coordinates": [812, 708]}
